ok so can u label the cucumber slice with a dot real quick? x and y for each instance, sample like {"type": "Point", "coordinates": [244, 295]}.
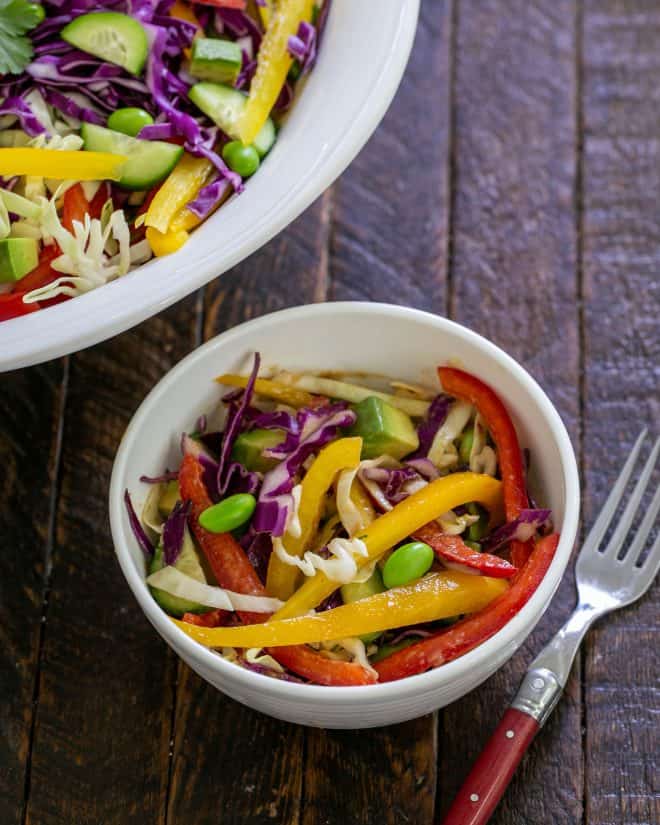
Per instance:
{"type": "Point", "coordinates": [149, 161]}
{"type": "Point", "coordinates": [224, 106]}
{"type": "Point", "coordinates": [110, 35]}
{"type": "Point", "coordinates": [188, 563]}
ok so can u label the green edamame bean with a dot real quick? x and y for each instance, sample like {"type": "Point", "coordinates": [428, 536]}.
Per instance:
{"type": "Point", "coordinates": [244, 160]}
{"type": "Point", "coordinates": [407, 563]}
{"type": "Point", "coordinates": [465, 445]}
{"type": "Point", "coordinates": [354, 591]}
{"type": "Point", "coordinates": [228, 514]}
{"type": "Point", "coordinates": [129, 120]}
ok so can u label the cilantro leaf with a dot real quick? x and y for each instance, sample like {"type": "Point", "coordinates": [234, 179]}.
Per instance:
{"type": "Point", "coordinates": [16, 18]}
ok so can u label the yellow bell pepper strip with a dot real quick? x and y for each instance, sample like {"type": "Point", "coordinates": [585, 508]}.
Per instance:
{"type": "Point", "coordinates": [343, 454]}
{"type": "Point", "coordinates": [179, 188]}
{"type": "Point", "coordinates": [272, 389]}
{"type": "Point", "coordinates": [435, 596]}
{"type": "Point", "coordinates": [392, 527]}
{"type": "Point", "coordinates": [65, 165]}
{"type": "Point", "coordinates": [265, 12]}
{"type": "Point", "coordinates": [165, 243]}
{"type": "Point", "coordinates": [273, 64]}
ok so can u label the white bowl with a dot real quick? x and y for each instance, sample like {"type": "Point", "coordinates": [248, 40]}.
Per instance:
{"type": "Point", "coordinates": [377, 338]}
{"type": "Point", "coordinates": [364, 53]}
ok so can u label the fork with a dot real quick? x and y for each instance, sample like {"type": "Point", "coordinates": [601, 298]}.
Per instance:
{"type": "Point", "coordinates": [606, 580]}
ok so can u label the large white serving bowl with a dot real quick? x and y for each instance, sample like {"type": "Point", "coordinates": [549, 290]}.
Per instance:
{"type": "Point", "coordinates": [376, 338]}
{"type": "Point", "coordinates": [363, 55]}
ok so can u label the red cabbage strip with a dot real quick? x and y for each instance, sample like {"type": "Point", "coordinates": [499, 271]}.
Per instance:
{"type": "Point", "coordinates": [435, 418]}
{"type": "Point", "coordinates": [157, 131]}
{"type": "Point", "coordinates": [307, 422]}
{"type": "Point", "coordinates": [275, 500]}
{"type": "Point", "coordinates": [521, 528]}
{"type": "Point", "coordinates": [233, 426]}
{"type": "Point", "coordinates": [208, 198]}
{"type": "Point", "coordinates": [70, 107]}
{"type": "Point", "coordinates": [258, 548]}
{"type": "Point", "coordinates": [424, 466]}
{"type": "Point", "coordinates": [138, 531]}
{"type": "Point", "coordinates": [240, 24]}
{"type": "Point", "coordinates": [173, 531]}
{"type": "Point", "coordinates": [26, 117]}
{"type": "Point", "coordinates": [302, 46]}
{"type": "Point", "coordinates": [392, 481]}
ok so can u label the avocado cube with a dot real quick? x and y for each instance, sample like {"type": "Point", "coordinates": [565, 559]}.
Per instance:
{"type": "Point", "coordinates": [217, 60]}
{"type": "Point", "coordinates": [169, 497]}
{"type": "Point", "coordinates": [249, 446]}
{"type": "Point", "coordinates": [384, 429]}
{"type": "Point", "coordinates": [18, 256]}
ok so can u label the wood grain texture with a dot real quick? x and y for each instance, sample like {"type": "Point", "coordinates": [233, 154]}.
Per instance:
{"type": "Point", "coordinates": [391, 210]}
{"type": "Point", "coordinates": [514, 279]}
{"type": "Point", "coordinates": [30, 402]}
{"type": "Point", "coordinates": [100, 752]}
{"type": "Point", "coordinates": [621, 229]}
{"type": "Point", "coordinates": [227, 757]}
{"type": "Point", "coordinates": [389, 243]}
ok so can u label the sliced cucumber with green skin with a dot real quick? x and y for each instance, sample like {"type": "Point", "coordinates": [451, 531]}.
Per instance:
{"type": "Point", "coordinates": [224, 106]}
{"type": "Point", "coordinates": [149, 161]}
{"type": "Point", "coordinates": [112, 36]}
{"type": "Point", "coordinates": [188, 563]}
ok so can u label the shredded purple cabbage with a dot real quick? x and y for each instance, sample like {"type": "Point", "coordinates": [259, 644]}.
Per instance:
{"type": "Point", "coordinates": [521, 528]}
{"type": "Point", "coordinates": [302, 46]}
{"type": "Point", "coordinates": [392, 481]}
{"type": "Point", "coordinates": [138, 530]}
{"type": "Point", "coordinates": [275, 501]}
{"type": "Point", "coordinates": [427, 429]}
{"type": "Point", "coordinates": [425, 467]}
{"type": "Point", "coordinates": [22, 110]}
{"type": "Point", "coordinates": [307, 421]}
{"type": "Point", "coordinates": [332, 601]}
{"type": "Point", "coordinates": [173, 531]}
{"type": "Point", "coordinates": [237, 409]}
{"type": "Point", "coordinates": [258, 548]}
{"type": "Point", "coordinates": [208, 198]}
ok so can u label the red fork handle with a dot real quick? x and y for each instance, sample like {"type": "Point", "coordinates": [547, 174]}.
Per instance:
{"type": "Point", "coordinates": [492, 772]}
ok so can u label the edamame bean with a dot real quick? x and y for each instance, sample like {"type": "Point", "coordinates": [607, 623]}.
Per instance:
{"type": "Point", "coordinates": [407, 563]}
{"type": "Point", "coordinates": [478, 530]}
{"type": "Point", "coordinates": [244, 160]}
{"type": "Point", "coordinates": [129, 120]}
{"type": "Point", "coordinates": [228, 514]}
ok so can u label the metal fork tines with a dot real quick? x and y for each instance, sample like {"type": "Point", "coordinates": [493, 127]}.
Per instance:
{"type": "Point", "coordinates": [608, 577]}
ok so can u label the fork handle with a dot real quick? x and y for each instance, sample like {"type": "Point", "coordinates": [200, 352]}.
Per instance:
{"type": "Point", "coordinates": [492, 772]}
{"type": "Point", "coordinates": [490, 776]}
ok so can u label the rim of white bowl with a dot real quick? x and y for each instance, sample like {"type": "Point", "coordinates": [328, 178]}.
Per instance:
{"type": "Point", "coordinates": [453, 671]}
{"type": "Point", "coordinates": [120, 305]}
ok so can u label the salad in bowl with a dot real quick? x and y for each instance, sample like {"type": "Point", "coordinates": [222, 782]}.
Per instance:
{"type": "Point", "coordinates": [124, 124]}
{"type": "Point", "coordinates": [345, 530]}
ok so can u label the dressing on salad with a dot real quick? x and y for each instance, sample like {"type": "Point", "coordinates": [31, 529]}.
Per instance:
{"type": "Point", "coordinates": [344, 533]}
{"type": "Point", "coordinates": [125, 123]}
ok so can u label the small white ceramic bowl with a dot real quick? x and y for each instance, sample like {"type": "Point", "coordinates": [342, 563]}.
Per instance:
{"type": "Point", "coordinates": [364, 52]}
{"type": "Point", "coordinates": [376, 338]}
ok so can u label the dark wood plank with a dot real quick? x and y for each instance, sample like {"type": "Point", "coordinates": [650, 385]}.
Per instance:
{"type": "Point", "coordinates": [389, 243]}
{"type": "Point", "coordinates": [102, 733]}
{"type": "Point", "coordinates": [226, 757]}
{"type": "Point", "coordinates": [514, 280]}
{"type": "Point", "coordinates": [30, 402]}
{"type": "Point", "coordinates": [390, 220]}
{"type": "Point", "coordinates": [621, 231]}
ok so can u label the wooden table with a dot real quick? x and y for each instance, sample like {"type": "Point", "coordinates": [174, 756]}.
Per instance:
{"type": "Point", "coordinates": [512, 186]}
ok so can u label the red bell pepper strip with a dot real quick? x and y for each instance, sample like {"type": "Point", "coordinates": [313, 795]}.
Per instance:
{"type": "Point", "coordinates": [99, 200]}
{"type": "Point", "coordinates": [222, 4]}
{"type": "Point", "coordinates": [214, 618]}
{"type": "Point", "coordinates": [12, 306]}
{"type": "Point", "coordinates": [232, 570]}
{"type": "Point", "coordinates": [453, 551]}
{"type": "Point", "coordinates": [75, 206]}
{"type": "Point", "coordinates": [498, 421]}
{"type": "Point", "coordinates": [466, 634]}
